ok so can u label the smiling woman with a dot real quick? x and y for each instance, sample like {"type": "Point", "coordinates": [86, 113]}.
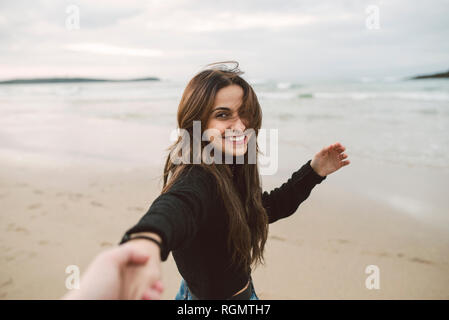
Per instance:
{"type": "Point", "coordinates": [226, 117]}
{"type": "Point", "coordinates": [214, 217]}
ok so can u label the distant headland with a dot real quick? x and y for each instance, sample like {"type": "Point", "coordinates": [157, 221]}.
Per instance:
{"type": "Point", "coordinates": [71, 80]}
{"type": "Point", "coordinates": [432, 76]}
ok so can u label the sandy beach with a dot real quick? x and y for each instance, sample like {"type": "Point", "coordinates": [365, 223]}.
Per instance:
{"type": "Point", "coordinates": [55, 214]}
{"type": "Point", "coordinates": [92, 95]}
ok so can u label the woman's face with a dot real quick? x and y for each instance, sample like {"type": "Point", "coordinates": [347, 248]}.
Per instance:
{"type": "Point", "coordinates": [225, 115]}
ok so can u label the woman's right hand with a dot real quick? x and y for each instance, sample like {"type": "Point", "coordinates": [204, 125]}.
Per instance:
{"type": "Point", "coordinates": [143, 281]}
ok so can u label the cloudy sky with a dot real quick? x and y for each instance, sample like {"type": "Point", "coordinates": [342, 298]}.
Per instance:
{"type": "Point", "coordinates": [279, 40]}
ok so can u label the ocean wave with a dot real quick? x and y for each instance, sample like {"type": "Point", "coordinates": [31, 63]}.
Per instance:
{"type": "Point", "coordinates": [277, 95]}
{"type": "Point", "coordinates": [421, 96]}
{"type": "Point", "coordinates": [305, 95]}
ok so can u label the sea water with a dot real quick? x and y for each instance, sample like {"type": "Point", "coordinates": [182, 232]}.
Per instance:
{"type": "Point", "coordinates": [388, 127]}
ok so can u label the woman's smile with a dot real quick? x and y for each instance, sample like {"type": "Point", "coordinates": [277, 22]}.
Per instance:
{"type": "Point", "coordinates": [236, 140]}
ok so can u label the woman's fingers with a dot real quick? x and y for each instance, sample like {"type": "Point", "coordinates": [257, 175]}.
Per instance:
{"type": "Point", "coordinates": [336, 146]}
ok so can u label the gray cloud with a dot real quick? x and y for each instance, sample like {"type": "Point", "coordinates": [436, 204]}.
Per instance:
{"type": "Point", "coordinates": [291, 40]}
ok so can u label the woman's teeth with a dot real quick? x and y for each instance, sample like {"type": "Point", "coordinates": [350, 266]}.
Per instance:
{"type": "Point", "coordinates": [240, 138]}
{"type": "Point", "coordinates": [236, 139]}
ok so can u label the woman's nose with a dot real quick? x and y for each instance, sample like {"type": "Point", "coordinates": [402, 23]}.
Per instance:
{"type": "Point", "coordinates": [238, 125]}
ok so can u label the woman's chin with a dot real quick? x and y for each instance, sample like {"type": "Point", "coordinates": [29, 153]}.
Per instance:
{"type": "Point", "coordinates": [238, 153]}
{"type": "Point", "coordinates": [235, 153]}
{"type": "Point", "coordinates": [236, 150]}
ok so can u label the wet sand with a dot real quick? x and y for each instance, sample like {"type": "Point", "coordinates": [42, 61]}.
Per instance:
{"type": "Point", "coordinates": [57, 213]}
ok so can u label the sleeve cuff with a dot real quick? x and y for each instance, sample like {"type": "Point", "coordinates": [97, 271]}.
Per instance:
{"type": "Point", "coordinates": [164, 252]}
{"type": "Point", "coordinates": [315, 176]}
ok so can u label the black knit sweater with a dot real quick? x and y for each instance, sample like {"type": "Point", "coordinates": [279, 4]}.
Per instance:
{"type": "Point", "coordinates": [191, 220]}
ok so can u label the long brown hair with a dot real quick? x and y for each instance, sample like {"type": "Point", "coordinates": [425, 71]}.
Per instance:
{"type": "Point", "coordinates": [241, 189]}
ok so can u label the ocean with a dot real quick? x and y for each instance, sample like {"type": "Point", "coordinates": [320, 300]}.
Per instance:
{"type": "Point", "coordinates": [404, 122]}
{"type": "Point", "coordinates": [399, 124]}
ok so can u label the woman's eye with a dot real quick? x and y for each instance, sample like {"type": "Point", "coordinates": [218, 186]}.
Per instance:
{"type": "Point", "coordinates": [221, 115]}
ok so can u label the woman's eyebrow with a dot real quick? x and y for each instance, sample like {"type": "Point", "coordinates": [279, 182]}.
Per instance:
{"type": "Point", "coordinates": [222, 108]}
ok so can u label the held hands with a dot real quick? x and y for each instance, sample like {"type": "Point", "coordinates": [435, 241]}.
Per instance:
{"type": "Point", "coordinates": [105, 276]}
{"type": "Point", "coordinates": [329, 159]}
{"type": "Point", "coordinates": [143, 281]}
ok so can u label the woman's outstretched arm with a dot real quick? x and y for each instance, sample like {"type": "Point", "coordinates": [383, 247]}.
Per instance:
{"type": "Point", "coordinates": [173, 218]}
{"type": "Point", "coordinates": [176, 215]}
{"type": "Point", "coordinates": [285, 200]}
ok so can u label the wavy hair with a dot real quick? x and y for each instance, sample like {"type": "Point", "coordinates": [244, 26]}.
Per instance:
{"type": "Point", "coordinates": [238, 185]}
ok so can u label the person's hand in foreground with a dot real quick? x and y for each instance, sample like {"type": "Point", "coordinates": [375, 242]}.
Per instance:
{"type": "Point", "coordinates": [138, 279]}
{"type": "Point", "coordinates": [105, 276]}
{"type": "Point", "coordinates": [329, 159]}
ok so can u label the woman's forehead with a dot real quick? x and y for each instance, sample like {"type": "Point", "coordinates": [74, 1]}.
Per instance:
{"type": "Point", "coordinates": [230, 96]}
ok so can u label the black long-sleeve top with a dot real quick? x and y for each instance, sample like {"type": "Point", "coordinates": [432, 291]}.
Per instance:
{"type": "Point", "coordinates": [191, 220]}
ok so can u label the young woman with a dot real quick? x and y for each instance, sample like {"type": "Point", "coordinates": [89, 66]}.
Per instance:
{"type": "Point", "coordinates": [214, 217]}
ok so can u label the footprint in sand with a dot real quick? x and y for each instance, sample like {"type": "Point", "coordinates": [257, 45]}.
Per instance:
{"type": "Point", "coordinates": [42, 242]}
{"type": "Point", "coordinates": [97, 204]}
{"type": "Point", "coordinates": [294, 242]}
{"type": "Point", "coordinates": [371, 253]}
{"type": "Point", "coordinates": [136, 208]}
{"type": "Point", "coordinates": [70, 194]}
{"type": "Point", "coordinates": [34, 206]}
{"type": "Point", "coordinates": [36, 191]}
{"type": "Point", "coordinates": [419, 260]}
{"type": "Point", "coordinates": [21, 229]}
{"type": "Point", "coordinates": [106, 244]}
{"type": "Point", "coordinates": [6, 283]}
{"type": "Point", "coordinates": [340, 241]}
{"type": "Point", "coordinates": [399, 255]}
{"type": "Point", "coordinates": [379, 254]}
{"type": "Point", "coordinates": [75, 196]}
{"type": "Point", "coordinates": [277, 238]}
{"type": "Point", "coordinates": [21, 185]}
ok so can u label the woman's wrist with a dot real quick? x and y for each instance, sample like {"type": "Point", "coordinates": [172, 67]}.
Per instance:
{"type": "Point", "coordinates": [147, 234]}
{"type": "Point", "coordinates": [145, 244]}
{"type": "Point", "coordinates": [316, 169]}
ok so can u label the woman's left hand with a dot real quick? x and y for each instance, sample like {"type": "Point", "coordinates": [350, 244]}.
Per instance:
{"type": "Point", "coordinates": [329, 159]}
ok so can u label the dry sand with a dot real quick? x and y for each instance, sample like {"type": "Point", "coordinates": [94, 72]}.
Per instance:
{"type": "Point", "coordinates": [54, 215]}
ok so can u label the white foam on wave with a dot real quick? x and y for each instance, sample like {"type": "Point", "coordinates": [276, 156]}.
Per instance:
{"type": "Point", "coordinates": [421, 96]}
